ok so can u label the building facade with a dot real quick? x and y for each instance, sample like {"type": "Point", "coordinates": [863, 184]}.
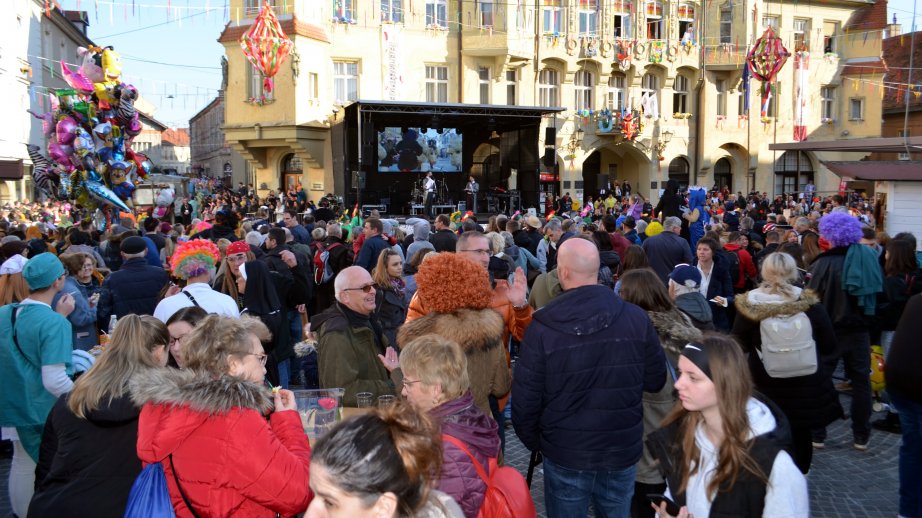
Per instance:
{"type": "Point", "coordinates": [210, 154]}
{"type": "Point", "coordinates": [176, 152]}
{"type": "Point", "coordinates": [674, 66]}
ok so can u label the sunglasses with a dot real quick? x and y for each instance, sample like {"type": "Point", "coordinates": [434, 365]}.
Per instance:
{"type": "Point", "coordinates": [365, 289]}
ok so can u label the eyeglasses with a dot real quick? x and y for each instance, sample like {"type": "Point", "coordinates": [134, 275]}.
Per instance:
{"type": "Point", "coordinates": [409, 383]}
{"type": "Point", "coordinates": [365, 289]}
{"type": "Point", "coordinates": [176, 339]}
{"type": "Point", "coordinates": [478, 251]}
{"type": "Point", "coordinates": [260, 357]}
{"type": "Point", "coordinates": [88, 266]}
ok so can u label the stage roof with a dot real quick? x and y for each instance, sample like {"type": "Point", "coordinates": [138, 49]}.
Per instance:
{"type": "Point", "coordinates": [399, 113]}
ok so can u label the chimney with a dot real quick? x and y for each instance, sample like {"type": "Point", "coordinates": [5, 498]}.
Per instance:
{"type": "Point", "coordinates": [894, 29]}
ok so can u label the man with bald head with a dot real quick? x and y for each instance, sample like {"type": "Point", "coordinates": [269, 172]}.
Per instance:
{"type": "Point", "coordinates": [585, 361]}
{"type": "Point", "coordinates": [350, 339]}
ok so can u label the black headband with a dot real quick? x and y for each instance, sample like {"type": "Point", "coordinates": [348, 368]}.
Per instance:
{"type": "Point", "coordinates": [696, 353]}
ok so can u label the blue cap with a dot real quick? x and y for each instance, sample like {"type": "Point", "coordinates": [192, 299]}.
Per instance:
{"type": "Point", "coordinates": [42, 270]}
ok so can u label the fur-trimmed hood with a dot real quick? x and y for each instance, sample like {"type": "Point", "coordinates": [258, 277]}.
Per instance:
{"type": "Point", "coordinates": [756, 305]}
{"type": "Point", "coordinates": [199, 391]}
{"type": "Point", "coordinates": [675, 329]}
{"type": "Point", "coordinates": [473, 329]}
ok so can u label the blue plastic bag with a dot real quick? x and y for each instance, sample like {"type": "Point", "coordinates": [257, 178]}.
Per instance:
{"type": "Point", "coordinates": [149, 497]}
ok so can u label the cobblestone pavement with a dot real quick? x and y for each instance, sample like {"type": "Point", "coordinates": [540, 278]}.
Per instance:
{"type": "Point", "coordinates": [843, 482]}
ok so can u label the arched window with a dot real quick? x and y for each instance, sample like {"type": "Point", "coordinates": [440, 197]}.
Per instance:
{"type": "Point", "coordinates": [548, 87]}
{"type": "Point", "coordinates": [649, 95]}
{"type": "Point", "coordinates": [680, 95]}
{"type": "Point", "coordinates": [615, 99]}
{"type": "Point", "coordinates": [291, 172]}
{"type": "Point", "coordinates": [678, 171]}
{"type": "Point", "coordinates": [582, 88]}
{"type": "Point", "coordinates": [723, 175]}
{"type": "Point", "coordinates": [793, 170]}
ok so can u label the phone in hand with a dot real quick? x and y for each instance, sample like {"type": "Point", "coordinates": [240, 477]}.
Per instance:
{"type": "Point", "coordinates": [671, 507]}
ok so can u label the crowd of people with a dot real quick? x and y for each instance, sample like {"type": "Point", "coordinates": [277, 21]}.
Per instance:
{"type": "Point", "coordinates": [670, 360]}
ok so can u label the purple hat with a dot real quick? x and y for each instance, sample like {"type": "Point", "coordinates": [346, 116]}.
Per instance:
{"type": "Point", "coordinates": [840, 229]}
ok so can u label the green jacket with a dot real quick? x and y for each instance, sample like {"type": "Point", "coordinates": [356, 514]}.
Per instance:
{"type": "Point", "coordinates": [347, 357]}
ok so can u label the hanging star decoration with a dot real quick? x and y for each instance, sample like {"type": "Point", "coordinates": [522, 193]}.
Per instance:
{"type": "Point", "coordinates": [765, 59]}
{"type": "Point", "coordinates": [266, 45]}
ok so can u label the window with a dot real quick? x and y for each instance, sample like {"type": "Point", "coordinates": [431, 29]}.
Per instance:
{"type": "Point", "coordinates": [436, 84]}
{"type": "Point", "coordinates": [741, 102]}
{"type": "Point", "coordinates": [654, 20]}
{"type": "Point", "coordinates": [773, 100]}
{"type": "Point", "coordinates": [801, 34]}
{"type": "Point", "coordinates": [391, 11]}
{"type": "Point", "coordinates": [516, 14]}
{"type": "Point", "coordinates": [483, 77]}
{"type": "Point", "coordinates": [548, 87]}
{"type": "Point", "coordinates": [511, 81]}
{"type": "Point", "coordinates": [726, 25]}
{"type": "Point", "coordinates": [649, 84]}
{"type": "Point", "coordinates": [437, 13]}
{"type": "Point", "coordinates": [680, 94]}
{"type": "Point", "coordinates": [678, 171]}
{"type": "Point", "coordinates": [582, 88]}
{"type": "Point", "coordinates": [686, 21]}
{"type": "Point", "coordinates": [723, 176]}
{"type": "Point", "coordinates": [588, 17]}
{"type": "Point", "coordinates": [345, 81]}
{"type": "Point", "coordinates": [615, 100]}
{"type": "Point", "coordinates": [856, 109]}
{"type": "Point", "coordinates": [793, 170]}
{"type": "Point", "coordinates": [828, 99]}
{"type": "Point", "coordinates": [255, 88]}
{"type": "Point", "coordinates": [486, 13]}
{"type": "Point", "coordinates": [721, 85]}
{"type": "Point", "coordinates": [313, 85]}
{"type": "Point", "coordinates": [552, 14]}
{"type": "Point", "coordinates": [770, 21]}
{"type": "Point", "coordinates": [344, 9]}
{"type": "Point", "coordinates": [621, 23]}
{"type": "Point", "coordinates": [830, 29]}
{"type": "Point", "coordinates": [252, 7]}
{"type": "Point", "coordinates": [903, 134]}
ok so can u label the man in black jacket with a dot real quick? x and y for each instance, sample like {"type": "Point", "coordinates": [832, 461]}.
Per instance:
{"type": "Point", "coordinates": [134, 288]}
{"type": "Point", "coordinates": [585, 362]}
{"type": "Point", "coordinates": [443, 239]}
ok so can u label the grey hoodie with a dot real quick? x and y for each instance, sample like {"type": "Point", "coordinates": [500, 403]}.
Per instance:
{"type": "Point", "coordinates": [697, 308]}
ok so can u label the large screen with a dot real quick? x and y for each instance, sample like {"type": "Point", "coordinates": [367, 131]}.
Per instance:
{"type": "Point", "coordinates": [412, 150]}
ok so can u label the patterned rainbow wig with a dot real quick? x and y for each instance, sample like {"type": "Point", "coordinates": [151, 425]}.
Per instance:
{"type": "Point", "coordinates": [194, 258]}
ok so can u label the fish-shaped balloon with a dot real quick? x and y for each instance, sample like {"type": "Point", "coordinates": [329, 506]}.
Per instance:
{"type": "Point", "coordinates": [104, 194]}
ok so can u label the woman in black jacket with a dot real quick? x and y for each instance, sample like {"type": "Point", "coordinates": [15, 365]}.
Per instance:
{"type": "Point", "coordinates": [390, 296]}
{"type": "Point", "coordinates": [261, 300]}
{"type": "Point", "coordinates": [88, 458]}
{"type": "Point", "coordinates": [716, 283]}
{"type": "Point", "coordinates": [808, 401]}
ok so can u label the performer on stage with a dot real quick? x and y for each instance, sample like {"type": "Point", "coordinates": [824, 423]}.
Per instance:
{"type": "Point", "coordinates": [429, 187]}
{"type": "Point", "coordinates": [472, 189]}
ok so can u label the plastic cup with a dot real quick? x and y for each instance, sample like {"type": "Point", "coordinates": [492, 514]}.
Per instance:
{"type": "Point", "coordinates": [319, 410]}
{"type": "Point", "coordinates": [364, 399]}
{"type": "Point", "coordinates": [386, 400]}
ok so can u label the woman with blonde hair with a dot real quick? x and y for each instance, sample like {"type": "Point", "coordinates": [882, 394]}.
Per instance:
{"type": "Point", "coordinates": [206, 424]}
{"type": "Point", "coordinates": [379, 465]}
{"type": "Point", "coordinates": [721, 449]}
{"type": "Point", "coordinates": [390, 295]}
{"type": "Point", "coordinates": [88, 460]}
{"type": "Point", "coordinates": [435, 381]}
{"type": "Point", "coordinates": [809, 401]}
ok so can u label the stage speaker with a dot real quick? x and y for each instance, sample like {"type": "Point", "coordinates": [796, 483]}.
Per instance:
{"type": "Point", "coordinates": [602, 182]}
{"type": "Point", "coordinates": [550, 135]}
{"type": "Point", "coordinates": [368, 134]}
{"type": "Point", "coordinates": [548, 158]}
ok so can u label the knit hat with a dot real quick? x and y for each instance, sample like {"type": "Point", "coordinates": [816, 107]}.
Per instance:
{"type": "Point", "coordinates": [238, 247]}
{"type": "Point", "coordinates": [165, 227]}
{"type": "Point", "coordinates": [654, 228]}
{"type": "Point", "coordinates": [42, 270]}
{"type": "Point", "coordinates": [448, 282]}
{"type": "Point", "coordinates": [133, 245]}
{"type": "Point", "coordinates": [36, 246]}
{"type": "Point", "coordinates": [686, 275]}
{"type": "Point", "coordinates": [840, 229]}
{"type": "Point", "coordinates": [194, 257]}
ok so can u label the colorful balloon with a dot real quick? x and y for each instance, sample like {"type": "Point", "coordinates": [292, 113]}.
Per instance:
{"type": "Point", "coordinates": [266, 45]}
{"type": "Point", "coordinates": [65, 129]}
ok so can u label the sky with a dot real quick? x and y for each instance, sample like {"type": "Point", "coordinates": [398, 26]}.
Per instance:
{"type": "Point", "coordinates": [170, 53]}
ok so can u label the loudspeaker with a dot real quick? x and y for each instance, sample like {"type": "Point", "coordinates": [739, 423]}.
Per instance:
{"type": "Point", "coordinates": [368, 134]}
{"type": "Point", "coordinates": [550, 135]}
{"type": "Point", "coordinates": [602, 182]}
{"type": "Point", "coordinates": [548, 158]}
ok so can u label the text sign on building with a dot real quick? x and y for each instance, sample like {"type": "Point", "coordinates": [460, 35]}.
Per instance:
{"type": "Point", "coordinates": [390, 47]}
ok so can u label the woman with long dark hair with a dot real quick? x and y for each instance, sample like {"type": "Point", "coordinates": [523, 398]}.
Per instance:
{"type": "Point", "coordinates": [723, 450]}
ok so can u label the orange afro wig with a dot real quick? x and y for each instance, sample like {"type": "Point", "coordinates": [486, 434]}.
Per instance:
{"type": "Point", "coordinates": [448, 282]}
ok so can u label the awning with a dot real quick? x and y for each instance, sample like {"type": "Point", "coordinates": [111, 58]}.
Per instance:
{"type": "Point", "coordinates": [858, 145]}
{"type": "Point", "coordinates": [906, 170]}
{"type": "Point", "coordinates": [11, 169]}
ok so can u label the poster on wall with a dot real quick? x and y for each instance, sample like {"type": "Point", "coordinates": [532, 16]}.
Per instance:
{"type": "Point", "coordinates": [392, 73]}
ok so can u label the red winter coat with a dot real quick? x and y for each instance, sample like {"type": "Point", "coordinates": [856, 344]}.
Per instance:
{"type": "Point", "coordinates": [230, 461]}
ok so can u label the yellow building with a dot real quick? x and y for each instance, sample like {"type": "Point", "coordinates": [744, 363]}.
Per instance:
{"type": "Point", "coordinates": [595, 58]}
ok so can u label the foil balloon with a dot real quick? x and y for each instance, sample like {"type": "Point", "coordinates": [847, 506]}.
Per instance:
{"type": "Point", "coordinates": [47, 119]}
{"type": "Point", "coordinates": [89, 67]}
{"type": "Point", "coordinates": [143, 164]}
{"type": "Point", "coordinates": [83, 142]}
{"type": "Point", "coordinates": [65, 130]}
{"type": "Point", "coordinates": [266, 45]}
{"type": "Point", "coordinates": [60, 153]}
{"type": "Point", "coordinates": [76, 80]}
{"type": "Point", "coordinates": [42, 174]}
{"type": "Point", "coordinates": [100, 192]}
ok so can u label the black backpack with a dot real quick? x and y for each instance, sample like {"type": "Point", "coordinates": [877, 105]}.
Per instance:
{"type": "Point", "coordinates": [732, 260]}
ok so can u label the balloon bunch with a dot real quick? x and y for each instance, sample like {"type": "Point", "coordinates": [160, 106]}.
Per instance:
{"type": "Point", "coordinates": [89, 131]}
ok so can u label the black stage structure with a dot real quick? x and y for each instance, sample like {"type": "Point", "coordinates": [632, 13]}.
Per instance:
{"type": "Point", "coordinates": [495, 141]}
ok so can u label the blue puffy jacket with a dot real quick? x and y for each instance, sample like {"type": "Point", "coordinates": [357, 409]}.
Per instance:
{"type": "Point", "coordinates": [586, 360]}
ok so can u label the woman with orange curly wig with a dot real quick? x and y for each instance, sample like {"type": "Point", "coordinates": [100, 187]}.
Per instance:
{"type": "Point", "coordinates": [195, 261]}
{"type": "Point", "coordinates": [457, 293]}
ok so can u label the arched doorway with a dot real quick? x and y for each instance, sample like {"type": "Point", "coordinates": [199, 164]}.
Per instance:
{"type": "Point", "coordinates": [592, 168]}
{"type": "Point", "coordinates": [793, 170]}
{"type": "Point", "coordinates": [291, 171]}
{"type": "Point", "coordinates": [723, 174]}
{"type": "Point", "coordinates": [678, 171]}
